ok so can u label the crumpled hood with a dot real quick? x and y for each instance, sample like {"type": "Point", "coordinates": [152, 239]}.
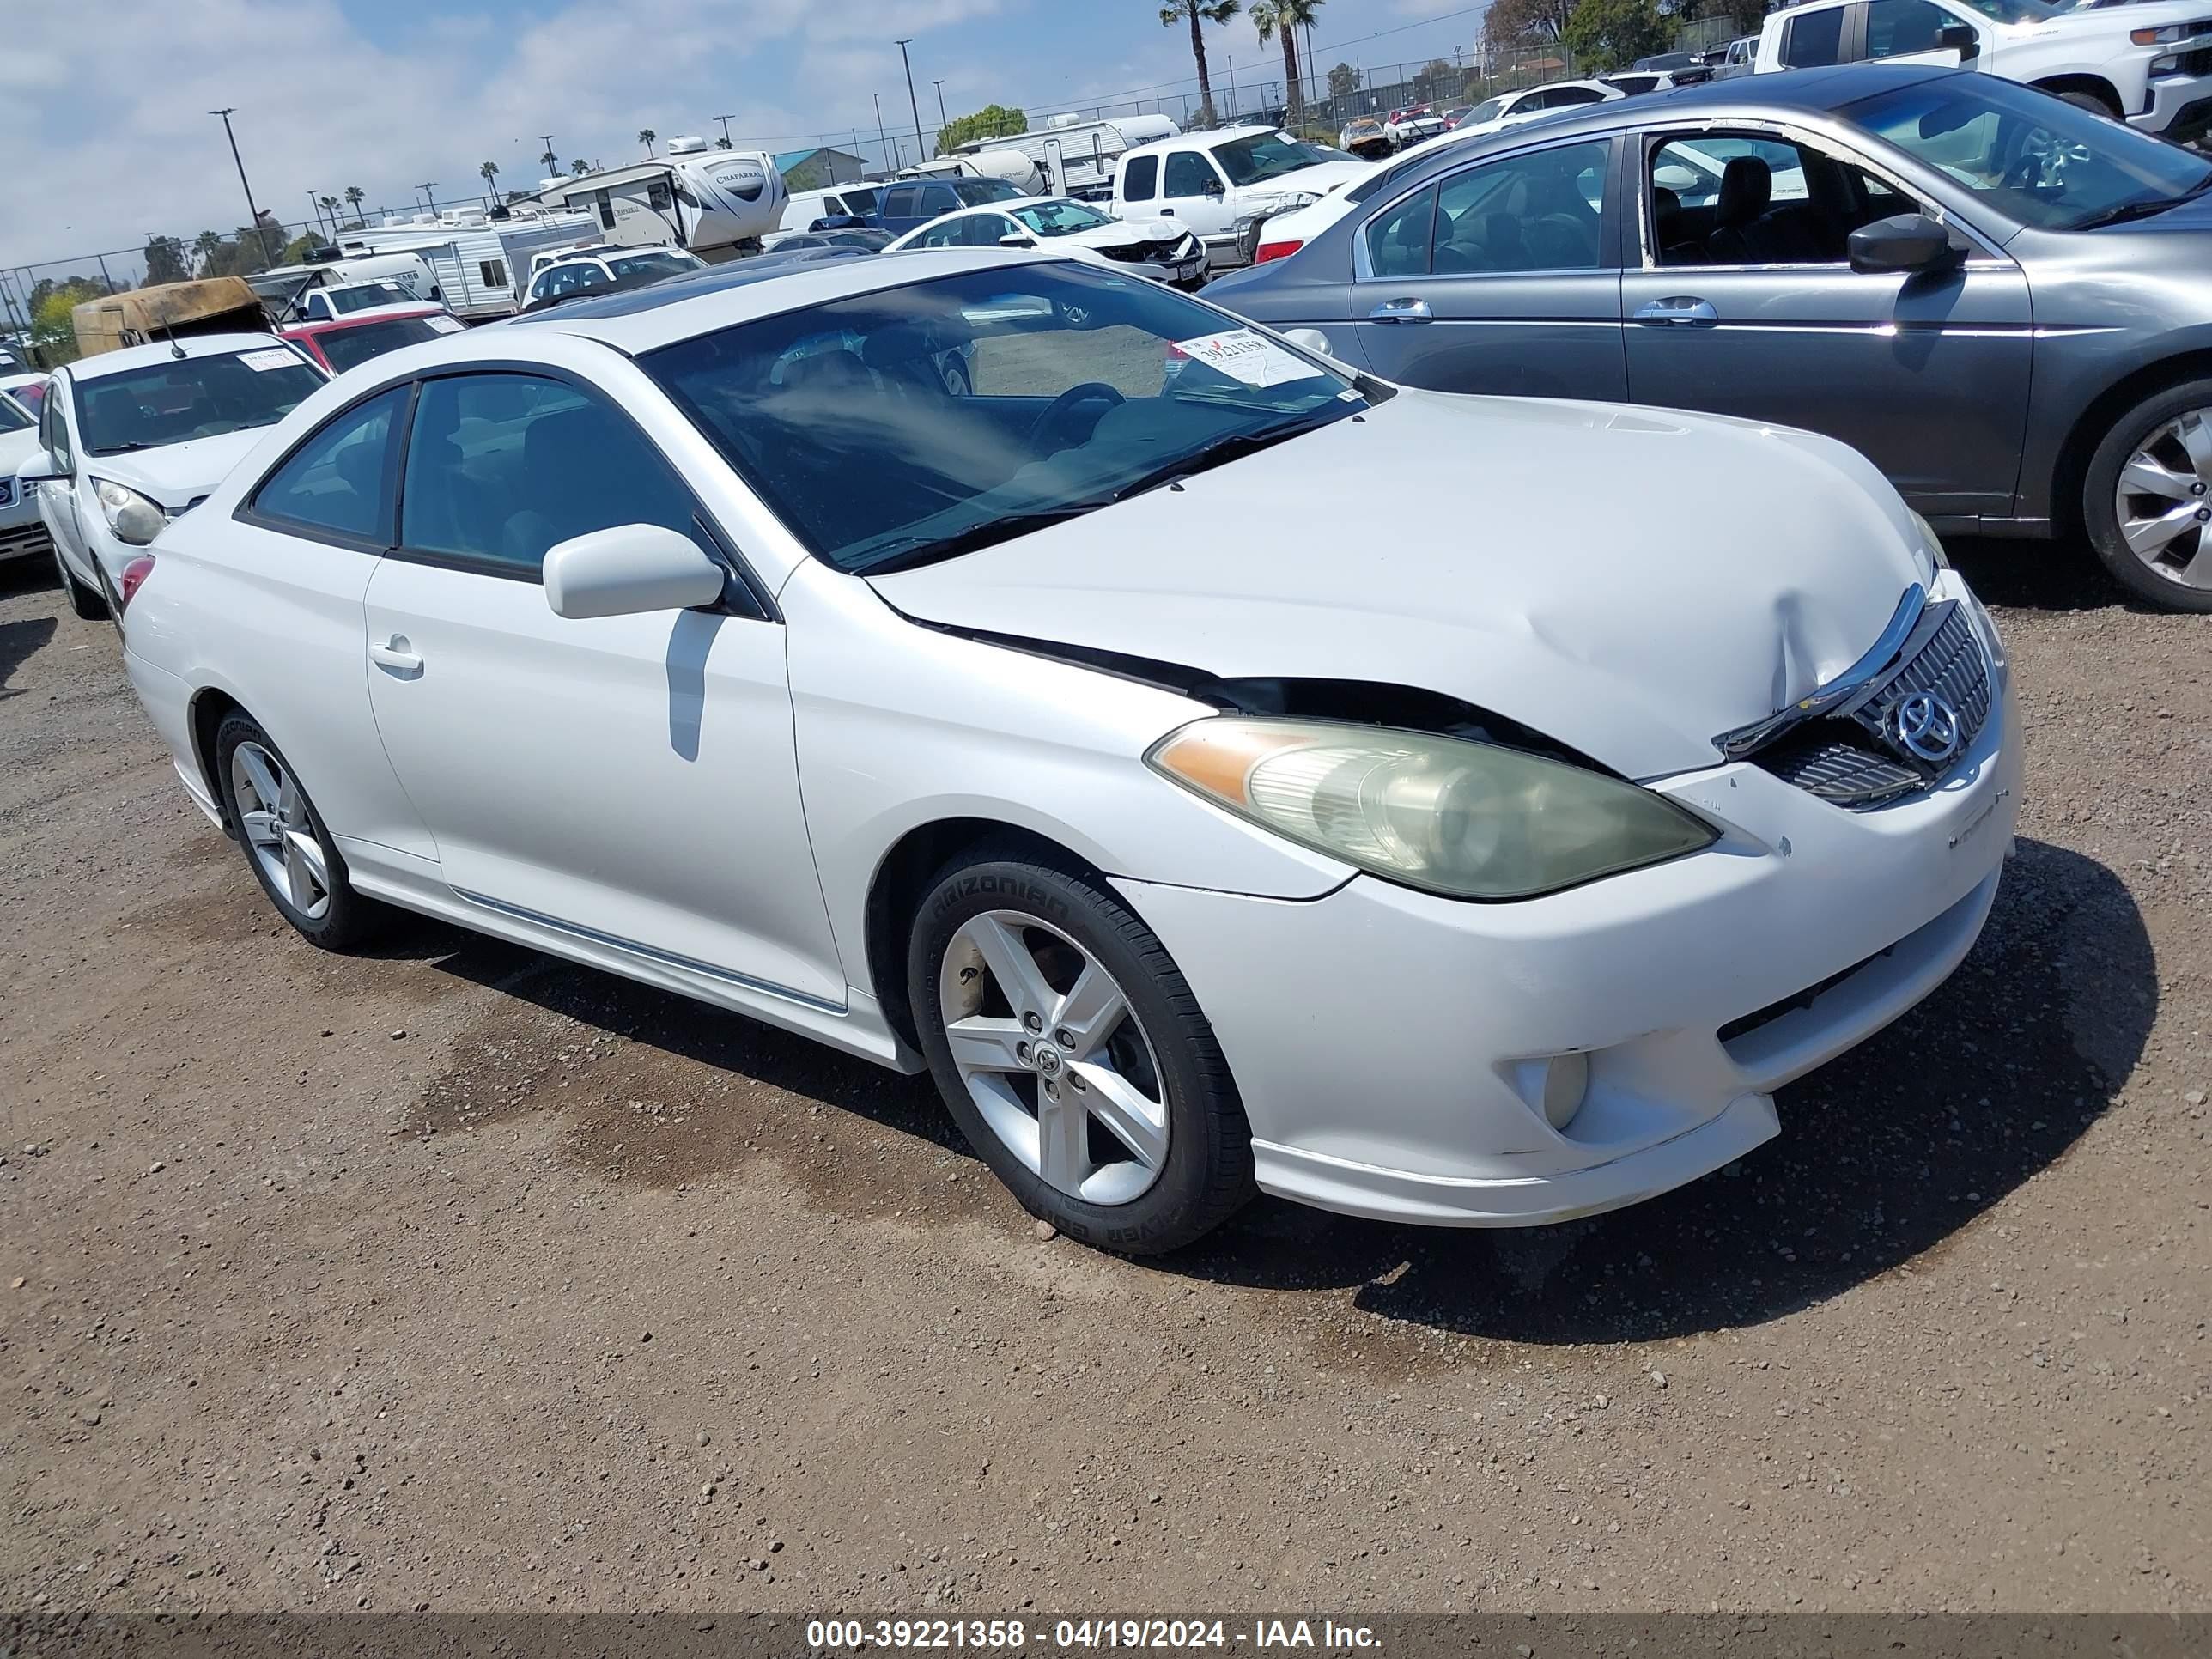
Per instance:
{"type": "Point", "coordinates": [1630, 582]}
{"type": "Point", "coordinates": [1123, 232]}
{"type": "Point", "coordinates": [176, 474]}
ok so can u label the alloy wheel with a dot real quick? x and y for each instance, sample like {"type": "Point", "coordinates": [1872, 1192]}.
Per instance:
{"type": "Point", "coordinates": [2163, 502]}
{"type": "Point", "coordinates": [1055, 1057]}
{"type": "Point", "coordinates": [273, 815]}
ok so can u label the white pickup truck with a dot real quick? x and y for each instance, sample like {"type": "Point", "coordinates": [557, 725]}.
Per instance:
{"type": "Point", "coordinates": [2148, 64]}
{"type": "Point", "coordinates": [1207, 181]}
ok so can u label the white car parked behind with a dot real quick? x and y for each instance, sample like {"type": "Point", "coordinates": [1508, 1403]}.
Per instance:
{"type": "Point", "coordinates": [134, 439]}
{"type": "Point", "coordinates": [2148, 63]}
{"type": "Point", "coordinates": [1067, 739]}
{"type": "Point", "coordinates": [1161, 248]}
{"type": "Point", "coordinates": [21, 534]}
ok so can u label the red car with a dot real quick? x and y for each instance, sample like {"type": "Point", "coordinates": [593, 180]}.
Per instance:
{"type": "Point", "coordinates": [339, 344]}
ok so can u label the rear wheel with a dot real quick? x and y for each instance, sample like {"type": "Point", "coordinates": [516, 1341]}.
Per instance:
{"type": "Point", "coordinates": [86, 602]}
{"type": "Point", "coordinates": [2093, 102]}
{"type": "Point", "coordinates": [287, 847]}
{"type": "Point", "coordinates": [1075, 1058]}
{"type": "Point", "coordinates": [2147, 501]}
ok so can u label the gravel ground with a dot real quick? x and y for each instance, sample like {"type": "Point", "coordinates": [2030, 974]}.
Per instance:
{"type": "Point", "coordinates": [454, 1277]}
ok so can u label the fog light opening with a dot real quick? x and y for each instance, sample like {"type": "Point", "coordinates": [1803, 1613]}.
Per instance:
{"type": "Point", "coordinates": [1566, 1084]}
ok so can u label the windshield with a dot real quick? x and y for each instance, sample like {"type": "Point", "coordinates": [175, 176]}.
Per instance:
{"type": "Point", "coordinates": [661, 263]}
{"type": "Point", "coordinates": [1059, 218]}
{"type": "Point", "coordinates": [2038, 159]}
{"type": "Point", "coordinates": [345, 346]}
{"type": "Point", "coordinates": [1489, 111]}
{"type": "Point", "coordinates": [2018, 11]}
{"type": "Point", "coordinates": [14, 417]}
{"type": "Point", "coordinates": [974, 192]}
{"type": "Point", "coordinates": [857, 200]}
{"type": "Point", "coordinates": [191, 397]}
{"type": "Point", "coordinates": [890, 428]}
{"type": "Point", "coordinates": [1265, 155]}
{"type": "Point", "coordinates": [362, 297]}
{"type": "Point", "coordinates": [30, 394]}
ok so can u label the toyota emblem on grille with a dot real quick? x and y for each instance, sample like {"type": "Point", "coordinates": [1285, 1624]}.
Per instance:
{"type": "Point", "coordinates": [1925, 727]}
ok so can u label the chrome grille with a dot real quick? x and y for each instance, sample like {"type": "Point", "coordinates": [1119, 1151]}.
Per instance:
{"type": "Point", "coordinates": [1845, 772]}
{"type": "Point", "coordinates": [7, 492]}
{"type": "Point", "coordinates": [1950, 664]}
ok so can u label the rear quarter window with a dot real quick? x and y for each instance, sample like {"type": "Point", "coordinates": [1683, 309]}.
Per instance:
{"type": "Point", "coordinates": [1813, 40]}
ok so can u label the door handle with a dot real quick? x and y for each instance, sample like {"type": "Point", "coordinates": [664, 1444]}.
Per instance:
{"type": "Point", "coordinates": [397, 656]}
{"type": "Point", "coordinates": [1400, 310]}
{"type": "Point", "coordinates": [1677, 311]}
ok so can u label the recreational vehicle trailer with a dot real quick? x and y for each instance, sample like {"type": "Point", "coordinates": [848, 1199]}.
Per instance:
{"type": "Point", "coordinates": [1077, 157]}
{"type": "Point", "coordinates": [482, 265]}
{"type": "Point", "coordinates": [718, 204]}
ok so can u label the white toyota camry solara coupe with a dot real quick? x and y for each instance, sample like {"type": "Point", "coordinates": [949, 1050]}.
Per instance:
{"type": "Point", "coordinates": [1080, 736]}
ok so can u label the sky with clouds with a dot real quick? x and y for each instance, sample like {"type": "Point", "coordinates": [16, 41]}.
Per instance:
{"type": "Point", "coordinates": [105, 116]}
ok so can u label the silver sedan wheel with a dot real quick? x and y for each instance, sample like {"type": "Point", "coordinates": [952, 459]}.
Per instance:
{"type": "Point", "coordinates": [273, 815]}
{"type": "Point", "coordinates": [2164, 500]}
{"type": "Point", "coordinates": [1054, 1057]}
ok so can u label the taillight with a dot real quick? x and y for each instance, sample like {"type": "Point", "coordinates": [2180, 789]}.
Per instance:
{"type": "Point", "coordinates": [1268, 251]}
{"type": "Point", "coordinates": [133, 573]}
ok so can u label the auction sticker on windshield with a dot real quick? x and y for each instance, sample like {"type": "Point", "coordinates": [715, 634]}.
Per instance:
{"type": "Point", "coordinates": [275, 358]}
{"type": "Point", "coordinates": [1243, 356]}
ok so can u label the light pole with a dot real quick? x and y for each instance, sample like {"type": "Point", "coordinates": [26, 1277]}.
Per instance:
{"type": "Point", "coordinates": [551, 162]}
{"type": "Point", "coordinates": [725, 120]}
{"type": "Point", "coordinates": [877, 98]}
{"type": "Point", "coordinates": [432, 201]}
{"type": "Point", "coordinates": [913, 103]}
{"type": "Point", "coordinates": [943, 121]}
{"type": "Point", "coordinates": [253, 213]}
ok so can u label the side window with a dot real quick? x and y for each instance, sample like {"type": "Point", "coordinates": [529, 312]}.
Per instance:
{"type": "Point", "coordinates": [53, 430]}
{"type": "Point", "coordinates": [1530, 212]}
{"type": "Point", "coordinates": [1140, 178]}
{"type": "Point", "coordinates": [946, 235]}
{"type": "Point", "coordinates": [902, 201]}
{"type": "Point", "coordinates": [1398, 237]}
{"type": "Point", "coordinates": [1189, 173]}
{"type": "Point", "coordinates": [1568, 97]}
{"type": "Point", "coordinates": [658, 196]}
{"type": "Point", "coordinates": [1897, 27]}
{"type": "Point", "coordinates": [607, 210]}
{"type": "Point", "coordinates": [500, 467]}
{"type": "Point", "coordinates": [339, 482]}
{"type": "Point", "coordinates": [319, 307]}
{"type": "Point", "coordinates": [1815, 38]}
{"type": "Point", "coordinates": [494, 272]}
{"type": "Point", "coordinates": [989, 229]}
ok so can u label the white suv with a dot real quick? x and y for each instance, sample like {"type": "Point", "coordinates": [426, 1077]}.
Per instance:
{"type": "Point", "coordinates": [2149, 64]}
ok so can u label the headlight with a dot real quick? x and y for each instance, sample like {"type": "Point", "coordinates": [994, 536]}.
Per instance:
{"type": "Point", "coordinates": [133, 518]}
{"type": "Point", "coordinates": [1931, 541]}
{"type": "Point", "coordinates": [1469, 820]}
{"type": "Point", "coordinates": [2164, 37]}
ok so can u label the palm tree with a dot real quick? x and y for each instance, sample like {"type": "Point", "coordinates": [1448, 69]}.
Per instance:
{"type": "Point", "coordinates": [580, 167]}
{"type": "Point", "coordinates": [207, 244]}
{"type": "Point", "coordinates": [488, 171]}
{"type": "Point", "coordinates": [549, 162]}
{"type": "Point", "coordinates": [355, 195]}
{"type": "Point", "coordinates": [645, 136]}
{"type": "Point", "coordinates": [1286, 17]}
{"type": "Point", "coordinates": [330, 205]}
{"type": "Point", "coordinates": [1196, 12]}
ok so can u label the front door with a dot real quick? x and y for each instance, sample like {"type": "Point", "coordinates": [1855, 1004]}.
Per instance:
{"type": "Point", "coordinates": [629, 778]}
{"type": "Point", "coordinates": [1193, 190]}
{"type": "Point", "coordinates": [1745, 303]}
{"type": "Point", "coordinates": [57, 496]}
{"type": "Point", "coordinates": [1498, 278]}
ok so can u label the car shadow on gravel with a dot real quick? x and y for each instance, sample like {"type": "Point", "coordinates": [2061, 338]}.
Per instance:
{"type": "Point", "coordinates": [2023, 575]}
{"type": "Point", "coordinates": [1885, 1155]}
{"type": "Point", "coordinates": [19, 641]}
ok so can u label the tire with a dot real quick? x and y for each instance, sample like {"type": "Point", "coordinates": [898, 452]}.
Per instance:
{"type": "Point", "coordinates": [2095, 103]}
{"type": "Point", "coordinates": [956, 380]}
{"type": "Point", "coordinates": [2157, 544]}
{"type": "Point", "coordinates": [325, 911]}
{"type": "Point", "coordinates": [87, 602]}
{"type": "Point", "coordinates": [1153, 1064]}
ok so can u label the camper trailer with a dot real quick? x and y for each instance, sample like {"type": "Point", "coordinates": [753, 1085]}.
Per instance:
{"type": "Point", "coordinates": [1010, 165]}
{"type": "Point", "coordinates": [284, 288]}
{"type": "Point", "coordinates": [481, 264]}
{"type": "Point", "coordinates": [1076, 156]}
{"type": "Point", "coordinates": [146, 316]}
{"type": "Point", "coordinates": [718, 204]}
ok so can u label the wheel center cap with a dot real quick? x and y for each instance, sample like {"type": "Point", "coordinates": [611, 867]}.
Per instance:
{"type": "Point", "coordinates": [1046, 1059]}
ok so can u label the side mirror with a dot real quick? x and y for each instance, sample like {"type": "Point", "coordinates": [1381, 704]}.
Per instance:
{"type": "Point", "coordinates": [1960, 38]}
{"type": "Point", "coordinates": [1213, 187]}
{"type": "Point", "coordinates": [1015, 239]}
{"type": "Point", "coordinates": [1910, 241]}
{"type": "Point", "coordinates": [41, 468]}
{"type": "Point", "coordinates": [629, 571]}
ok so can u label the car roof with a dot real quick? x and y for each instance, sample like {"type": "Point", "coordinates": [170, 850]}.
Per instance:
{"type": "Point", "coordinates": [362, 319]}
{"type": "Point", "coordinates": [1746, 96]}
{"type": "Point", "coordinates": [676, 308]}
{"type": "Point", "coordinates": [1210, 136]}
{"type": "Point", "coordinates": [147, 356]}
